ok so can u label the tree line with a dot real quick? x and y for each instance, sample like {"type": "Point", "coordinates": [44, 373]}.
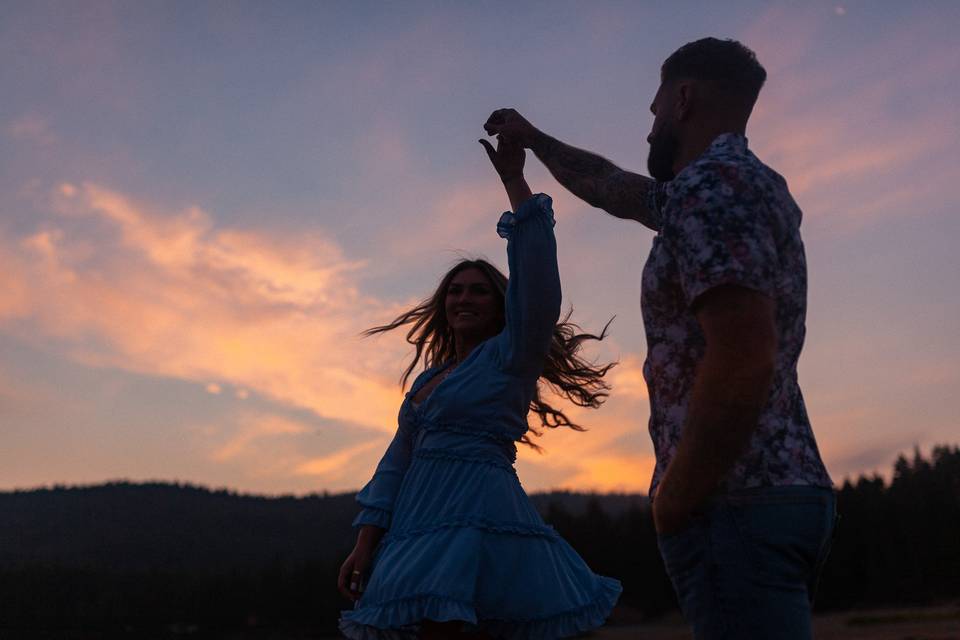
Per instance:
{"type": "Point", "coordinates": [168, 559]}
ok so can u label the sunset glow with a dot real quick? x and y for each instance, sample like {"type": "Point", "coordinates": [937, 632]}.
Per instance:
{"type": "Point", "coordinates": [204, 205]}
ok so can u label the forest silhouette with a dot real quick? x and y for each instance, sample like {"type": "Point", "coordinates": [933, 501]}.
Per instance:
{"type": "Point", "coordinates": [171, 559]}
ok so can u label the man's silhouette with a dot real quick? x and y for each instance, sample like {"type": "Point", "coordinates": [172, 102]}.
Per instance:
{"type": "Point", "coordinates": [742, 502]}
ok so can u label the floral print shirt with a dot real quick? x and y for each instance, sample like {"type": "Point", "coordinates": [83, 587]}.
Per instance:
{"type": "Point", "coordinates": [728, 219]}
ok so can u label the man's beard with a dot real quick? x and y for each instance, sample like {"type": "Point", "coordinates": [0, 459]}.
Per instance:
{"type": "Point", "coordinates": [663, 153]}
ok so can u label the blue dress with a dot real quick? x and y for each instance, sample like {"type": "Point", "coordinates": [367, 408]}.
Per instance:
{"type": "Point", "coordinates": [463, 540]}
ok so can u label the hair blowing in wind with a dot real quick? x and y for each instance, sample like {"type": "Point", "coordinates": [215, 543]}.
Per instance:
{"type": "Point", "coordinates": [566, 372]}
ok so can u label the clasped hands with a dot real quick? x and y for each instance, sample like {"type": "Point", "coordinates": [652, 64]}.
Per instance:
{"type": "Point", "coordinates": [514, 134]}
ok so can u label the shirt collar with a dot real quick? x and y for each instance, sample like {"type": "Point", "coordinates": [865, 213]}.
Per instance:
{"type": "Point", "coordinates": [727, 142]}
{"type": "Point", "coordinates": [724, 144]}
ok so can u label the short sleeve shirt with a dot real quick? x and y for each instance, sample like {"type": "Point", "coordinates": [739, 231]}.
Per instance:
{"type": "Point", "coordinates": [728, 219]}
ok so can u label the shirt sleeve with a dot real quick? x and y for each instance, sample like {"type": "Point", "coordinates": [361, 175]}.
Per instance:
{"type": "Point", "coordinates": [378, 496]}
{"type": "Point", "coordinates": [656, 197]}
{"type": "Point", "coordinates": [533, 289]}
{"type": "Point", "coordinates": [720, 233]}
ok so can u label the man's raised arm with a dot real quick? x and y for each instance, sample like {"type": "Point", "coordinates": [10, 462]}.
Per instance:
{"type": "Point", "coordinates": [590, 177]}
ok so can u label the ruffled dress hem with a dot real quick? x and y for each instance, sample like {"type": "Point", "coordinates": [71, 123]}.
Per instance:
{"type": "Point", "coordinates": [400, 619]}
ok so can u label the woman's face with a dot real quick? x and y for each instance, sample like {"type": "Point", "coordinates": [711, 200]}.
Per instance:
{"type": "Point", "coordinates": [472, 305]}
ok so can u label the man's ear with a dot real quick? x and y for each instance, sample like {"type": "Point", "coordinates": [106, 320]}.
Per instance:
{"type": "Point", "coordinates": [684, 96]}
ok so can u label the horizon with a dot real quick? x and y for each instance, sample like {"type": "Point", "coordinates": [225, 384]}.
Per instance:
{"type": "Point", "coordinates": [201, 206]}
{"type": "Point", "coordinates": [886, 478]}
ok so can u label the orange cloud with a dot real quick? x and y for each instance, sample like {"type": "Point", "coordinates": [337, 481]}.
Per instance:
{"type": "Point", "coordinates": [627, 378]}
{"type": "Point", "coordinates": [614, 454]}
{"type": "Point", "coordinates": [613, 473]}
{"type": "Point", "coordinates": [334, 466]}
{"type": "Point", "coordinates": [244, 442]}
{"type": "Point", "coordinates": [262, 449]}
{"type": "Point", "coordinates": [125, 286]}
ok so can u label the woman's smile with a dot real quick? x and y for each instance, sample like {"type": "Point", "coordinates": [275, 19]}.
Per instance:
{"type": "Point", "coordinates": [471, 304]}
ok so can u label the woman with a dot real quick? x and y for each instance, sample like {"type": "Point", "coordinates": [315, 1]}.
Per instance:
{"type": "Point", "coordinates": [460, 550]}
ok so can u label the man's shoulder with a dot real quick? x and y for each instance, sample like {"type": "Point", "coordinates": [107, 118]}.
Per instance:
{"type": "Point", "coordinates": [724, 179]}
{"type": "Point", "coordinates": [722, 195]}
{"type": "Point", "coordinates": [715, 182]}
{"type": "Point", "coordinates": [714, 168]}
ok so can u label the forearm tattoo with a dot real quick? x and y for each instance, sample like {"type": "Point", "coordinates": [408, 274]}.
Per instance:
{"type": "Point", "coordinates": [601, 183]}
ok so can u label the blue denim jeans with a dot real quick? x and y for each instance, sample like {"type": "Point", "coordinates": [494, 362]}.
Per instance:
{"type": "Point", "coordinates": [747, 566]}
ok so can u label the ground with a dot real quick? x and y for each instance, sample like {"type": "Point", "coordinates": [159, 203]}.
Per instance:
{"type": "Point", "coordinates": [928, 623]}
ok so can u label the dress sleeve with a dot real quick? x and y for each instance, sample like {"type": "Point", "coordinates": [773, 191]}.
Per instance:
{"type": "Point", "coordinates": [378, 496]}
{"type": "Point", "coordinates": [721, 234]}
{"type": "Point", "coordinates": [533, 289]}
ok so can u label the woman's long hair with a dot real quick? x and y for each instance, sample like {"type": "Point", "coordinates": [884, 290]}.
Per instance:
{"type": "Point", "coordinates": [565, 371]}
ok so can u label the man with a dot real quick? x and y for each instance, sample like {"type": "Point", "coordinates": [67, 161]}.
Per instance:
{"type": "Point", "coordinates": [742, 502]}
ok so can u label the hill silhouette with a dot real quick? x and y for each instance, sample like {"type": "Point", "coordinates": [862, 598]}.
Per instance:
{"type": "Point", "coordinates": [164, 559]}
{"type": "Point", "coordinates": [140, 526]}
{"type": "Point", "coordinates": [127, 526]}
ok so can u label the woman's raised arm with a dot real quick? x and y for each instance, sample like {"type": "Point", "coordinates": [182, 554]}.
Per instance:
{"type": "Point", "coordinates": [533, 288]}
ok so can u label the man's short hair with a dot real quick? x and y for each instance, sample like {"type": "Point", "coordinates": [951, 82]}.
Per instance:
{"type": "Point", "coordinates": [728, 65]}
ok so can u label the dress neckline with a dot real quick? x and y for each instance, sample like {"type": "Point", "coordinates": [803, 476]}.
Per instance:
{"type": "Point", "coordinates": [473, 355]}
{"type": "Point", "coordinates": [413, 392]}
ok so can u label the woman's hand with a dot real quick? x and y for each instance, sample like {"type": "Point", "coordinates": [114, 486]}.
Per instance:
{"type": "Point", "coordinates": [353, 572]}
{"type": "Point", "coordinates": [507, 158]}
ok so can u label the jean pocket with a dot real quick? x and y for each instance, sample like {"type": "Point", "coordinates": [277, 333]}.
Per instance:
{"type": "Point", "coordinates": [674, 544]}
{"type": "Point", "coordinates": [682, 531]}
{"type": "Point", "coordinates": [784, 538]}
{"type": "Point", "coordinates": [683, 553]}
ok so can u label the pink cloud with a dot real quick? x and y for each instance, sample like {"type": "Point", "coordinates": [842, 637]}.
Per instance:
{"type": "Point", "coordinates": [836, 133]}
{"type": "Point", "coordinates": [32, 128]}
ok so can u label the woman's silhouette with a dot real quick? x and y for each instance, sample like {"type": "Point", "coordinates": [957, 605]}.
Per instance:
{"type": "Point", "coordinates": [450, 545]}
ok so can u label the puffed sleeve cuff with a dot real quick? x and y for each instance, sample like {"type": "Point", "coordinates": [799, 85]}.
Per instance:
{"type": "Point", "coordinates": [379, 493]}
{"type": "Point", "coordinates": [373, 516]}
{"type": "Point", "coordinates": [537, 205]}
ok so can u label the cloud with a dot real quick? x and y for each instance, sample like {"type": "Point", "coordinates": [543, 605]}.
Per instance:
{"type": "Point", "coordinates": [32, 128]}
{"type": "Point", "coordinates": [333, 466]}
{"type": "Point", "coordinates": [113, 282]}
{"type": "Point", "coordinates": [591, 461]}
{"type": "Point", "coordinates": [462, 217]}
{"type": "Point", "coordinates": [839, 130]}
{"type": "Point", "coordinates": [248, 440]}
{"type": "Point", "coordinates": [849, 453]}
{"type": "Point", "coordinates": [613, 472]}
{"type": "Point", "coordinates": [260, 448]}
{"type": "Point", "coordinates": [627, 378]}
{"type": "Point", "coordinates": [121, 284]}
{"type": "Point", "coordinates": [613, 454]}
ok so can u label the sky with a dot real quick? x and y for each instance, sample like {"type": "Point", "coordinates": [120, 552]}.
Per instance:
{"type": "Point", "coordinates": [202, 205]}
